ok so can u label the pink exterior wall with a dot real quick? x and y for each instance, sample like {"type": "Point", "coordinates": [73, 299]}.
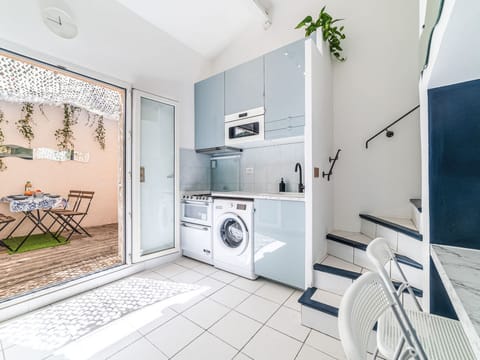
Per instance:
{"type": "Point", "coordinates": [100, 174]}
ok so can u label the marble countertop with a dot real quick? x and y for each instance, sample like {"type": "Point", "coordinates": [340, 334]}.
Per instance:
{"type": "Point", "coordinates": [291, 196]}
{"type": "Point", "coordinates": [459, 270]}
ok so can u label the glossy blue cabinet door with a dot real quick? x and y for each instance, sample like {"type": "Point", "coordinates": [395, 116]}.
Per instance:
{"type": "Point", "coordinates": [209, 112]}
{"type": "Point", "coordinates": [244, 87]}
{"type": "Point", "coordinates": [285, 91]}
{"type": "Point", "coordinates": [279, 241]}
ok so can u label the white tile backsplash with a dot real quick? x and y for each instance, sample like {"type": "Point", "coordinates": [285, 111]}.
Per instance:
{"type": "Point", "coordinates": [270, 164]}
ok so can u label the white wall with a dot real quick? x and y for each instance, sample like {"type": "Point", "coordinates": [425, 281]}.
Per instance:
{"type": "Point", "coordinates": [376, 84]}
{"type": "Point", "coordinates": [111, 41]}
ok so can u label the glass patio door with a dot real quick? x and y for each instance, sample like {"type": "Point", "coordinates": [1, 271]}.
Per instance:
{"type": "Point", "coordinates": [154, 179]}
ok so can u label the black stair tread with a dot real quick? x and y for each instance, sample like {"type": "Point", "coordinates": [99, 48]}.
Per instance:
{"type": "Point", "coordinates": [399, 225]}
{"type": "Point", "coordinates": [307, 300]}
{"type": "Point", "coordinates": [417, 203]}
{"type": "Point", "coordinates": [402, 259]}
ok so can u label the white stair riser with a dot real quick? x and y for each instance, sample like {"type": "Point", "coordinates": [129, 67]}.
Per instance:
{"type": "Point", "coordinates": [339, 250]}
{"type": "Point", "coordinates": [411, 247]}
{"type": "Point", "coordinates": [409, 303]}
{"type": "Point", "coordinates": [416, 217]}
{"type": "Point", "coordinates": [388, 234]}
{"type": "Point", "coordinates": [330, 282]}
{"type": "Point", "coordinates": [368, 228]}
{"type": "Point", "coordinates": [320, 321]}
{"type": "Point", "coordinates": [414, 275]}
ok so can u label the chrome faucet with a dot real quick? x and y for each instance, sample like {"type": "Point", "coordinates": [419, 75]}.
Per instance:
{"type": "Point", "coordinates": [301, 187]}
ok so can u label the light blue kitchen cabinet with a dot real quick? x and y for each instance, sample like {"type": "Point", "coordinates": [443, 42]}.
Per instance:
{"type": "Point", "coordinates": [210, 112]}
{"type": "Point", "coordinates": [285, 91]}
{"type": "Point", "coordinates": [244, 87]}
{"type": "Point", "coordinates": [279, 241]}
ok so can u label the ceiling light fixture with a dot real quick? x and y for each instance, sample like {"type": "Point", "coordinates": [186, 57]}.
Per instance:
{"type": "Point", "coordinates": [265, 13]}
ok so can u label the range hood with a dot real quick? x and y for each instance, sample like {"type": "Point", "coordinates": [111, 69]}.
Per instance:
{"type": "Point", "coordinates": [219, 150]}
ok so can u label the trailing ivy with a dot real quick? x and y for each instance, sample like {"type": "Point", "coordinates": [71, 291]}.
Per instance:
{"type": "Point", "coordinates": [100, 132]}
{"type": "Point", "coordinates": [25, 124]}
{"type": "Point", "coordinates": [3, 167]}
{"type": "Point", "coordinates": [65, 136]}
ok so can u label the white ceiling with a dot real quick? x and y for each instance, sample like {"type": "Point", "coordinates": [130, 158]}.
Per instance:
{"type": "Point", "coordinates": [206, 26]}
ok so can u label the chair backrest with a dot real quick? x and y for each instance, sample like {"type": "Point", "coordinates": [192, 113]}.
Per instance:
{"type": "Point", "coordinates": [362, 305]}
{"type": "Point", "coordinates": [80, 200]}
{"type": "Point", "coordinates": [379, 253]}
{"type": "Point", "coordinates": [74, 199]}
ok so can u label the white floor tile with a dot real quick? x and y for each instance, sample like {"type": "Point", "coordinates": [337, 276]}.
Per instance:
{"type": "Point", "coordinates": [169, 270]}
{"type": "Point", "coordinates": [187, 277]}
{"type": "Point", "coordinates": [230, 296]}
{"type": "Point", "coordinates": [116, 347]}
{"type": "Point", "coordinates": [275, 292]}
{"type": "Point", "coordinates": [326, 344]}
{"type": "Point", "coordinates": [150, 275]}
{"type": "Point", "coordinates": [223, 276]}
{"type": "Point", "coordinates": [288, 321]}
{"type": "Point", "coordinates": [327, 297]}
{"type": "Point", "coordinates": [142, 349]}
{"type": "Point", "coordinates": [257, 308]}
{"type": "Point", "coordinates": [247, 284]}
{"type": "Point", "coordinates": [292, 301]}
{"type": "Point", "coordinates": [146, 321]}
{"type": "Point", "coordinates": [187, 262]}
{"type": "Point", "coordinates": [187, 301]}
{"type": "Point", "coordinates": [171, 337]}
{"type": "Point", "coordinates": [235, 329]}
{"type": "Point", "coordinates": [205, 269]}
{"type": "Point", "coordinates": [18, 352]}
{"type": "Point", "coordinates": [210, 285]}
{"type": "Point", "coordinates": [206, 347]}
{"type": "Point", "coordinates": [310, 353]}
{"type": "Point", "coordinates": [269, 344]}
{"type": "Point", "coordinates": [206, 313]}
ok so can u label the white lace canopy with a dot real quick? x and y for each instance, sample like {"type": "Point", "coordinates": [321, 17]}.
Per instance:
{"type": "Point", "coordinates": [24, 82]}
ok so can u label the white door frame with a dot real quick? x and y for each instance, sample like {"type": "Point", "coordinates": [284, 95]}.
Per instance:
{"type": "Point", "coordinates": [136, 191]}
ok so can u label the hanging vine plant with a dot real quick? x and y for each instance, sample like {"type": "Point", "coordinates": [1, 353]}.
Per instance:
{"type": "Point", "coordinates": [25, 124]}
{"type": "Point", "coordinates": [3, 167]}
{"type": "Point", "coordinates": [65, 135]}
{"type": "Point", "coordinates": [100, 132]}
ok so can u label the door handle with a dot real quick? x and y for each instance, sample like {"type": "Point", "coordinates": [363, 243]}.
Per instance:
{"type": "Point", "coordinates": [142, 174]}
{"type": "Point", "coordinates": [204, 228]}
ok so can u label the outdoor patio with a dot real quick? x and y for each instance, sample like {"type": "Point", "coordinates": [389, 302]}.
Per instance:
{"type": "Point", "coordinates": [36, 269]}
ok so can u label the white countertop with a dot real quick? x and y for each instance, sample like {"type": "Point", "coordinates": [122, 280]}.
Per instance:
{"type": "Point", "coordinates": [459, 270]}
{"type": "Point", "coordinates": [290, 196]}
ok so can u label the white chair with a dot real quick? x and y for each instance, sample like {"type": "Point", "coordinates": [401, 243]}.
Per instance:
{"type": "Point", "coordinates": [365, 303]}
{"type": "Point", "coordinates": [434, 337]}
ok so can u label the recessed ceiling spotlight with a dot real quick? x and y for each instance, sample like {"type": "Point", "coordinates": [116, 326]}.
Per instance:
{"type": "Point", "coordinates": [60, 22]}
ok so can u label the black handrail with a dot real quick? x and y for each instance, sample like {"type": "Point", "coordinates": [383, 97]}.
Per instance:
{"type": "Point", "coordinates": [390, 133]}
{"type": "Point", "coordinates": [332, 161]}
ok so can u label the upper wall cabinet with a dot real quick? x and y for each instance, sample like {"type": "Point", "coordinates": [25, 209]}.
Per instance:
{"type": "Point", "coordinates": [285, 91]}
{"type": "Point", "coordinates": [209, 112]}
{"type": "Point", "coordinates": [244, 87]}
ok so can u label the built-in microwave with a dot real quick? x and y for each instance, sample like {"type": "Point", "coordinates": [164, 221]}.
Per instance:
{"type": "Point", "coordinates": [245, 126]}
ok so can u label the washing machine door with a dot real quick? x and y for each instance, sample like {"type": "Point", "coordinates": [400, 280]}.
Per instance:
{"type": "Point", "coordinates": [233, 234]}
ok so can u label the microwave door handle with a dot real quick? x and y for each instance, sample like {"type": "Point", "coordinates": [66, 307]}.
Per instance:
{"type": "Point", "coordinates": [197, 227]}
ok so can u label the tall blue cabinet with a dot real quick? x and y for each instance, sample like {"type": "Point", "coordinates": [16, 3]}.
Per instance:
{"type": "Point", "coordinates": [285, 91]}
{"type": "Point", "coordinates": [210, 112]}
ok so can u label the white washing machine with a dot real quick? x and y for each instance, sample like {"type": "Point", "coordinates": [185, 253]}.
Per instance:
{"type": "Point", "coordinates": [233, 236]}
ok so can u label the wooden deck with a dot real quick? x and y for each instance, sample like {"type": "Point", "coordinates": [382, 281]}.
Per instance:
{"type": "Point", "coordinates": [32, 270]}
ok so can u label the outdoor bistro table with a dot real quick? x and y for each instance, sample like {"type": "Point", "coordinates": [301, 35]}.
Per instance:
{"type": "Point", "coordinates": [30, 207]}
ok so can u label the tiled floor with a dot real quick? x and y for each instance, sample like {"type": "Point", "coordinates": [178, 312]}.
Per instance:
{"type": "Point", "coordinates": [231, 318]}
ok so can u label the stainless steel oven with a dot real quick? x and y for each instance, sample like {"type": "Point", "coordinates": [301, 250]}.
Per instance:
{"type": "Point", "coordinates": [245, 127]}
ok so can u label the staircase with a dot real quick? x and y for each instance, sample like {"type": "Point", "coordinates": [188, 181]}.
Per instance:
{"type": "Point", "coordinates": [347, 260]}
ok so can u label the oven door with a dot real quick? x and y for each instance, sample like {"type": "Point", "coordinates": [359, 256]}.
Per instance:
{"type": "Point", "coordinates": [244, 130]}
{"type": "Point", "coordinates": [197, 212]}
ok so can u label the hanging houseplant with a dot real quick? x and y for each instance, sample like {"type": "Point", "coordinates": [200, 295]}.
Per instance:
{"type": "Point", "coordinates": [25, 124]}
{"type": "Point", "coordinates": [65, 135]}
{"type": "Point", "coordinates": [332, 34]}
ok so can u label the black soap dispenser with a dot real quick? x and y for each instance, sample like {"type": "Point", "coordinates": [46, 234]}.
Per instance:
{"type": "Point", "coordinates": [281, 186]}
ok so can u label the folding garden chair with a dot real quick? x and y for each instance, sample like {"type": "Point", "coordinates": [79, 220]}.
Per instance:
{"type": "Point", "coordinates": [4, 221]}
{"type": "Point", "coordinates": [71, 217]}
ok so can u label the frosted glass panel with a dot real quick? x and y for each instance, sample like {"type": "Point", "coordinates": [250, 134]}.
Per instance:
{"type": "Point", "coordinates": [158, 183]}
